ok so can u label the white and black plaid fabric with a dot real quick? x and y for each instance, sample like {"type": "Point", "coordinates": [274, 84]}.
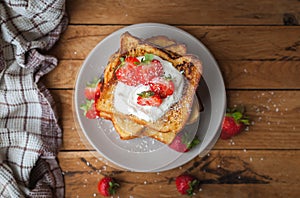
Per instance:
{"type": "Point", "coordinates": [29, 134]}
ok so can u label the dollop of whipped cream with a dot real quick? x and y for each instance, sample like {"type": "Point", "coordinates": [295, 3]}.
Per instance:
{"type": "Point", "coordinates": [125, 96]}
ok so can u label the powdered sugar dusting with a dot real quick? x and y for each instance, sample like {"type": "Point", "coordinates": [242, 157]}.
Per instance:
{"type": "Point", "coordinates": [271, 110]}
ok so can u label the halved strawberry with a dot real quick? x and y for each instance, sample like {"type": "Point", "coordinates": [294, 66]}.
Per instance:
{"type": "Point", "coordinates": [132, 60]}
{"type": "Point", "coordinates": [147, 71]}
{"type": "Point", "coordinates": [126, 73]}
{"type": "Point", "coordinates": [92, 88]}
{"type": "Point", "coordinates": [149, 98]}
{"type": "Point", "coordinates": [89, 109]}
{"type": "Point", "coordinates": [163, 86]}
{"type": "Point", "coordinates": [132, 72]}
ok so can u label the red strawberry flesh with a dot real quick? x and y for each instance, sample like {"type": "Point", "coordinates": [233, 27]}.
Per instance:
{"type": "Point", "coordinates": [149, 98]}
{"type": "Point", "coordinates": [89, 109]}
{"type": "Point", "coordinates": [186, 184]}
{"type": "Point", "coordinates": [183, 143]}
{"type": "Point", "coordinates": [162, 86]}
{"type": "Point", "coordinates": [132, 74]}
{"type": "Point", "coordinates": [92, 89]}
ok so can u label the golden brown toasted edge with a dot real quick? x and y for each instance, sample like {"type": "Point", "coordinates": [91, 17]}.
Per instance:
{"type": "Point", "coordinates": [104, 103]}
{"type": "Point", "coordinates": [165, 138]}
{"type": "Point", "coordinates": [126, 128]}
{"type": "Point", "coordinates": [110, 68]}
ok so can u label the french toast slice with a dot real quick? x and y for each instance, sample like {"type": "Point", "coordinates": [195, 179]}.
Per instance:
{"type": "Point", "coordinates": [128, 129]}
{"type": "Point", "coordinates": [167, 44]}
{"type": "Point", "coordinates": [166, 128]}
{"type": "Point", "coordinates": [161, 41]}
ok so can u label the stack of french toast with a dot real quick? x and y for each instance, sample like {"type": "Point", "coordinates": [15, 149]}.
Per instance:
{"type": "Point", "coordinates": [132, 96]}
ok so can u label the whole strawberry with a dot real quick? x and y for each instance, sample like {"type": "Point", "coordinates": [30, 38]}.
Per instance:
{"type": "Point", "coordinates": [186, 184]}
{"type": "Point", "coordinates": [234, 122]}
{"type": "Point", "coordinates": [107, 186]}
{"type": "Point", "coordinates": [92, 89]}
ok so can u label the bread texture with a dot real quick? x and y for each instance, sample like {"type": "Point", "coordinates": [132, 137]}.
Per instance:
{"type": "Point", "coordinates": [165, 128]}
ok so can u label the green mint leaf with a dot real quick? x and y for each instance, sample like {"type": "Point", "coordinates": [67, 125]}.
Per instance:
{"type": "Point", "coordinates": [147, 58]}
{"type": "Point", "coordinates": [146, 94]}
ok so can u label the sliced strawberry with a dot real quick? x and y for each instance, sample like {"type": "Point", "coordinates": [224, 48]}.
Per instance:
{"type": "Point", "coordinates": [91, 89]}
{"type": "Point", "coordinates": [126, 74]}
{"type": "Point", "coordinates": [186, 184]}
{"type": "Point", "coordinates": [132, 60]}
{"type": "Point", "coordinates": [234, 122]}
{"type": "Point", "coordinates": [89, 109]}
{"type": "Point", "coordinates": [89, 93]}
{"type": "Point", "coordinates": [132, 72]}
{"type": "Point", "coordinates": [126, 71]}
{"type": "Point", "coordinates": [183, 143]}
{"type": "Point", "coordinates": [149, 98]}
{"type": "Point", "coordinates": [148, 71]}
{"type": "Point", "coordinates": [162, 86]}
{"type": "Point", "coordinates": [107, 186]}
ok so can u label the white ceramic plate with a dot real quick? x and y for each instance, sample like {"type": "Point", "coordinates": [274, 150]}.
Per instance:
{"type": "Point", "coordinates": [146, 154]}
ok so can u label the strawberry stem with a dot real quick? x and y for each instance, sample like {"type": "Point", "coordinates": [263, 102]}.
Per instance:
{"type": "Point", "coordinates": [112, 187]}
{"type": "Point", "coordinates": [192, 186]}
{"type": "Point", "coordinates": [238, 115]}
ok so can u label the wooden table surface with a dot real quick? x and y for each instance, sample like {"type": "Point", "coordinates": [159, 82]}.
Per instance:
{"type": "Point", "coordinates": [257, 46]}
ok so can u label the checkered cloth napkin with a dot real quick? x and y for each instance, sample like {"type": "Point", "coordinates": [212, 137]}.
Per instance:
{"type": "Point", "coordinates": [29, 134]}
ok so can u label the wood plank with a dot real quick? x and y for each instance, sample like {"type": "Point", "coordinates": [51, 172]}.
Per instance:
{"type": "Point", "coordinates": [261, 74]}
{"type": "Point", "coordinates": [225, 42]}
{"type": "Point", "coordinates": [184, 12]}
{"type": "Point", "coordinates": [236, 74]}
{"type": "Point", "coordinates": [274, 116]}
{"type": "Point", "coordinates": [238, 173]}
